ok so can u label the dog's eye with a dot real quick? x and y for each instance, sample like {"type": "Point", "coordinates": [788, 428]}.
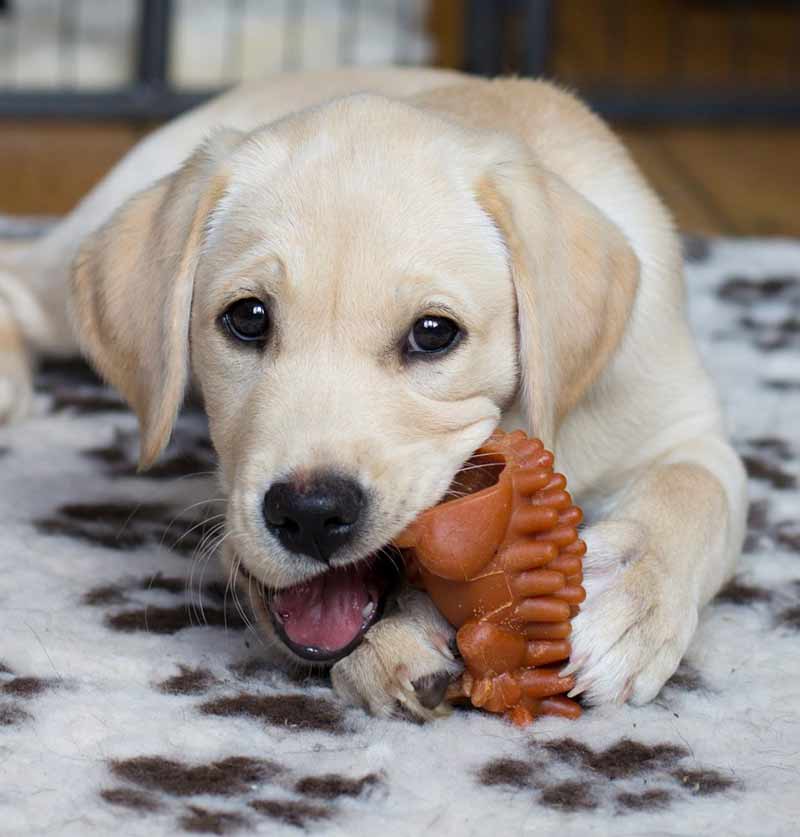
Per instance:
{"type": "Point", "coordinates": [247, 320]}
{"type": "Point", "coordinates": [431, 334]}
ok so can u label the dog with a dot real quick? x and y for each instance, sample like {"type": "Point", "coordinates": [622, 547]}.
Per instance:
{"type": "Point", "coordinates": [364, 273]}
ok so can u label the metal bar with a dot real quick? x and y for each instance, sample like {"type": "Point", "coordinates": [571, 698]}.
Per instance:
{"type": "Point", "coordinates": [9, 43]}
{"type": "Point", "coordinates": [142, 102]}
{"type": "Point", "coordinates": [695, 105]}
{"type": "Point", "coordinates": [676, 49]}
{"type": "Point", "coordinates": [614, 15]}
{"type": "Point", "coordinates": [348, 20]}
{"type": "Point", "coordinates": [67, 41]}
{"type": "Point", "coordinates": [792, 75]}
{"type": "Point", "coordinates": [153, 45]}
{"type": "Point", "coordinates": [234, 42]}
{"type": "Point", "coordinates": [537, 37]}
{"type": "Point", "coordinates": [483, 36]}
{"type": "Point", "coordinates": [740, 37]}
{"type": "Point", "coordinates": [293, 23]}
{"type": "Point", "coordinates": [679, 105]}
{"type": "Point", "coordinates": [399, 31]}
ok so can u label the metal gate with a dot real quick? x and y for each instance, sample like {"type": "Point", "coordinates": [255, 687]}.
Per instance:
{"type": "Point", "coordinates": [498, 36]}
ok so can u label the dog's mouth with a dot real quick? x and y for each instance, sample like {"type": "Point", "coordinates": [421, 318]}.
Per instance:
{"type": "Point", "coordinates": [324, 618]}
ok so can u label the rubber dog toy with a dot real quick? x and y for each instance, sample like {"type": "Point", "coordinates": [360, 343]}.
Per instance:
{"type": "Point", "coordinates": [501, 559]}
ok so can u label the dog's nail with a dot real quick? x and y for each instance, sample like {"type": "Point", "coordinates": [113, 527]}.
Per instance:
{"type": "Point", "coordinates": [579, 689]}
{"type": "Point", "coordinates": [573, 664]}
{"type": "Point", "coordinates": [441, 645]}
{"type": "Point", "coordinates": [625, 693]}
{"type": "Point", "coordinates": [404, 710]}
{"type": "Point", "coordinates": [407, 685]}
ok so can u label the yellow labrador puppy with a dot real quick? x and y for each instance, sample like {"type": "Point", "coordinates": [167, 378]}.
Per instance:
{"type": "Point", "coordinates": [365, 273]}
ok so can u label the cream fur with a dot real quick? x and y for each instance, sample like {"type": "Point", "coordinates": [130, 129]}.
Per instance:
{"type": "Point", "coordinates": [506, 202]}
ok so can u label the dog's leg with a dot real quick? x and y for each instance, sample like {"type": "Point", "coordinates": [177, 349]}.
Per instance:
{"type": "Point", "coordinates": [34, 321]}
{"type": "Point", "coordinates": [670, 542]}
{"type": "Point", "coordinates": [404, 664]}
{"type": "Point", "coordinates": [16, 385]}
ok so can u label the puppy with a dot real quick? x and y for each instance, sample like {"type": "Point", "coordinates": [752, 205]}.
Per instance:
{"type": "Point", "coordinates": [364, 274]}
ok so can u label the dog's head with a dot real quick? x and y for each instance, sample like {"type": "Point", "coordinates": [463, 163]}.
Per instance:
{"type": "Point", "coordinates": [359, 290]}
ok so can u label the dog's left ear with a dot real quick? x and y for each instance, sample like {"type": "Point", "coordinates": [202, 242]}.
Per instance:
{"type": "Point", "coordinates": [575, 277]}
{"type": "Point", "coordinates": [132, 285]}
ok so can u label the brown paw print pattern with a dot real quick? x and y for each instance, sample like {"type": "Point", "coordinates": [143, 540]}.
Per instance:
{"type": "Point", "coordinates": [136, 698]}
{"type": "Point", "coordinates": [624, 778]}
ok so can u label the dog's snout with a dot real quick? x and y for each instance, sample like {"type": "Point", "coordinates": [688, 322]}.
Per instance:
{"type": "Point", "coordinates": [316, 517]}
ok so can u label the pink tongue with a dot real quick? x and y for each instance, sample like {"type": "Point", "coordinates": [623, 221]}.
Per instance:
{"type": "Point", "coordinates": [326, 612]}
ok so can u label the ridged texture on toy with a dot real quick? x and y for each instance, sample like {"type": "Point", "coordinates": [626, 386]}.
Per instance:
{"type": "Point", "coordinates": [504, 566]}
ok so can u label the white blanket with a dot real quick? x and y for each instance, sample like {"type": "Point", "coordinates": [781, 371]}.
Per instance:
{"type": "Point", "coordinates": [134, 701]}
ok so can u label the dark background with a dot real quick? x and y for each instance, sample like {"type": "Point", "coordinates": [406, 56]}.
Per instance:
{"type": "Point", "coordinates": [690, 85]}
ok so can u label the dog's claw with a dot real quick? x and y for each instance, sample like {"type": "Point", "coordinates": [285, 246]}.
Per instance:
{"type": "Point", "coordinates": [579, 688]}
{"type": "Point", "coordinates": [442, 645]}
{"type": "Point", "coordinates": [407, 685]}
{"type": "Point", "coordinates": [572, 666]}
{"type": "Point", "coordinates": [431, 688]}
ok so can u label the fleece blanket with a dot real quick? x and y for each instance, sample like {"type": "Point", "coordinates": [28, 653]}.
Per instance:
{"type": "Point", "coordinates": [135, 699]}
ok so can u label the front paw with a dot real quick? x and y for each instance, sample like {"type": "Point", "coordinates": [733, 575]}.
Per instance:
{"type": "Point", "coordinates": [16, 383]}
{"type": "Point", "coordinates": [16, 375]}
{"type": "Point", "coordinates": [404, 665]}
{"type": "Point", "coordinates": [636, 623]}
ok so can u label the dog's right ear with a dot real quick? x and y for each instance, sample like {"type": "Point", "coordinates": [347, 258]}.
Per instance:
{"type": "Point", "coordinates": [575, 276]}
{"type": "Point", "coordinates": [132, 286]}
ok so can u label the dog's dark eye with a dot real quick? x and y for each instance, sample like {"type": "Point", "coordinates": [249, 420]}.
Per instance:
{"type": "Point", "coordinates": [431, 334]}
{"type": "Point", "coordinates": [247, 320]}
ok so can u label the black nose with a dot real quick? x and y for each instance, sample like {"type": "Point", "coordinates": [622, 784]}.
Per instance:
{"type": "Point", "coordinates": [314, 517]}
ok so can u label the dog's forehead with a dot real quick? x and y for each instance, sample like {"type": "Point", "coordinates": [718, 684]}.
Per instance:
{"type": "Point", "coordinates": [365, 205]}
{"type": "Point", "coordinates": [375, 185]}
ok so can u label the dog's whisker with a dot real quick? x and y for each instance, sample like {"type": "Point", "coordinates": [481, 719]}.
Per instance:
{"type": "Point", "coordinates": [254, 629]}
{"type": "Point", "coordinates": [184, 511]}
{"type": "Point", "coordinates": [230, 585]}
{"type": "Point", "coordinates": [196, 554]}
{"type": "Point", "coordinates": [210, 555]}
{"type": "Point", "coordinates": [249, 624]}
{"type": "Point", "coordinates": [394, 558]}
{"type": "Point", "coordinates": [202, 555]}
{"type": "Point", "coordinates": [196, 474]}
{"type": "Point", "coordinates": [231, 588]}
{"type": "Point", "coordinates": [200, 523]}
{"type": "Point", "coordinates": [458, 494]}
{"type": "Point", "coordinates": [199, 503]}
{"type": "Point", "coordinates": [204, 522]}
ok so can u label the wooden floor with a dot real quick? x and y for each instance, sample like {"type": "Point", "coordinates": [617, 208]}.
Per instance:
{"type": "Point", "coordinates": [724, 180]}
{"type": "Point", "coordinates": [716, 180]}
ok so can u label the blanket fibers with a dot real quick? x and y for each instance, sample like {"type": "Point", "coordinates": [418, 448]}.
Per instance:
{"type": "Point", "coordinates": [135, 700]}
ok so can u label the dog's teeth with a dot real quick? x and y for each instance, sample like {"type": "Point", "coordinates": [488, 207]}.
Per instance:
{"type": "Point", "coordinates": [369, 607]}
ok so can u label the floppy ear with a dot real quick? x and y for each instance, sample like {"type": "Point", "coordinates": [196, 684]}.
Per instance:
{"type": "Point", "coordinates": [132, 287]}
{"type": "Point", "coordinates": [575, 277]}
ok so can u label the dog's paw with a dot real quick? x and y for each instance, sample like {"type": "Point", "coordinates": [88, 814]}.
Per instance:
{"type": "Point", "coordinates": [404, 665]}
{"type": "Point", "coordinates": [16, 384]}
{"type": "Point", "coordinates": [636, 623]}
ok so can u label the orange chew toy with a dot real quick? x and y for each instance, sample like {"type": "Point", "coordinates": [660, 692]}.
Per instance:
{"type": "Point", "coordinates": [503, 564]}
